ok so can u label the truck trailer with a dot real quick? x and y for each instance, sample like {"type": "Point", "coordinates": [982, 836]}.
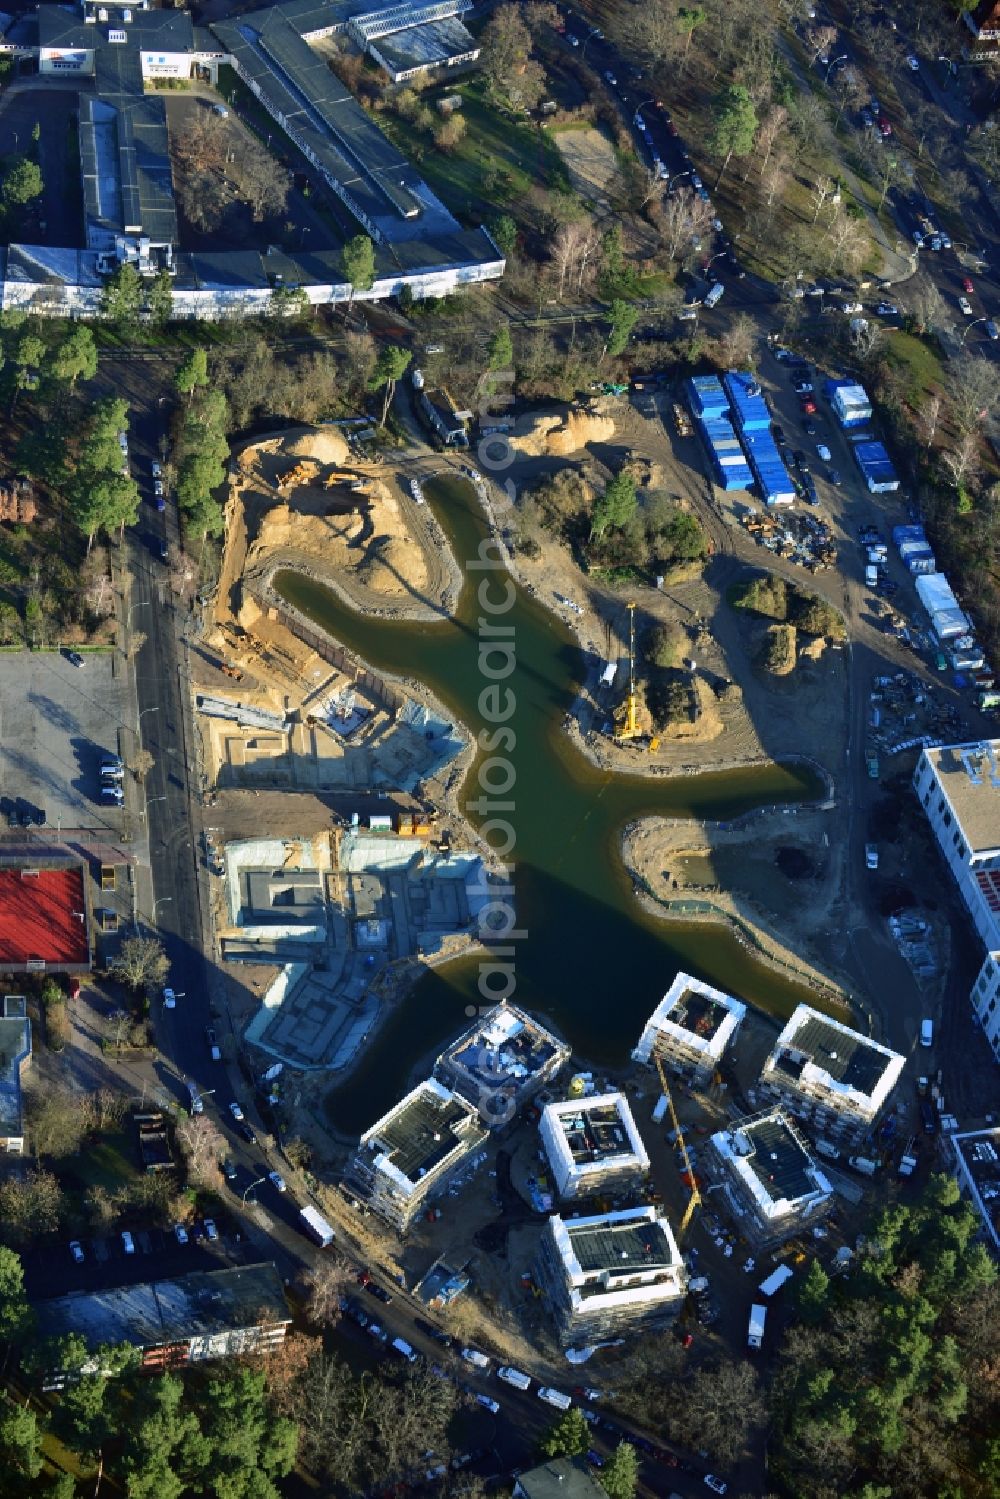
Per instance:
{"type": "Point", "coordinates": [755, 1331]}
{"type": "Point", "coordinates": [316, 1226]}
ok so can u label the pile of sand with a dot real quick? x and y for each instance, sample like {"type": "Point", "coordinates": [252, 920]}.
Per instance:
{"type": "Point", "coordinates": [326, 447]}
{"type": "Point", "coordinates": [552, 436]}
{"type": "Point", "coordinates": [388, 568]}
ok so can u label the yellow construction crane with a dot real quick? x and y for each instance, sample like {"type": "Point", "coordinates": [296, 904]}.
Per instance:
{"type": "Point", "coordinates": [627, 714]}
{"type": "Point", "coordinates": [694, 1200]}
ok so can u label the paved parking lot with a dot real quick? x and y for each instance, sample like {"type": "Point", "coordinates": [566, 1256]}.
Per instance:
{"type": "Point", "coordinates": [55, 722]}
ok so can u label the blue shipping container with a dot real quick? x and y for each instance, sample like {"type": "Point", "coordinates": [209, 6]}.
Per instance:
{"type": "Point", "coordinates": [876, 467]}
{"type": "Point", "coordinates": [749, 407]}
{"type": "Point", "coordinates": [908, 533]}
{"type": "Point", "coordinates": [706, 395]}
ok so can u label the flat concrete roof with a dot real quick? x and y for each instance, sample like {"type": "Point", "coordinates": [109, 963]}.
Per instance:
{"type": "Point", "coordinates": [201, 1304]}
{"type": "Point", "coordinates": [970, 778]}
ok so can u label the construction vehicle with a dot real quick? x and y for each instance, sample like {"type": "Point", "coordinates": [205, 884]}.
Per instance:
{"type": "Point", "coordinates": [338, 477]}
{"type": "Point", "coordinates": [300, 473]}
{"type": "Point", "coordinates": [682, 422]}
{"type": "Point", "coordinates": [694, 1201]}
{"type": "Point", "coordinates": [627, 713]}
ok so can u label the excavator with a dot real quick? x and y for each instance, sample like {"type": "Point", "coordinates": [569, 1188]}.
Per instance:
{"type": "Point", "coordinates": [694, 1201]}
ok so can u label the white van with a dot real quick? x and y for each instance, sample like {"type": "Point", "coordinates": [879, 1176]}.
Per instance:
{"type": "Point", "coordinates": [401, 1346]}
{"type": "Point", "coordinates": [871, 576]}
{"type": "Point", "coordinates": [927, 1033]}
{"type": "Point", "coordinates": [514, 1376]}
{"type": "Point", "coordinates": [554, 1397]}
{"type": "Point", "coordinates": [715, 294]}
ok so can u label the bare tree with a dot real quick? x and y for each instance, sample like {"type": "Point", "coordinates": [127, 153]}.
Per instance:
{"type": "Point", "coordinates": [774, 124]}
{"type": "Point", "coordinates": [261, 180]}
{"type": "Point", "coordinates": [774, 180]}
{"type": "Point", "coordinates": [927, 419]}
{"type": "Point", "coordinates": [142, 962]}
{"type": "Point", "coordinates": [973, 389]}
{"type": "Point", "coordinates": [203, 1146]}
{"type": "Point", "coordinates": [566, 250]}
{"type": "Point", "coordinates": [819, 40]}
{"type": "Point", "coordinates": [736, 345]}
{"type": "Point", "coordinates": [927, 304]}
{"type": "Point", "coordinates": [867, 337]}
{"type": "Point", "coordinates": [685, 218]}
{"type": "Point", "coordinates": [851, 90]}
{"type": "Point", "coordinates": [58, 1123]}
{"type": "Point", "coordinates": [962, 461]}
{"type": "Point", "coordinates": [820, 195]}
{"type": "Point", "coordinates": [326, 1283]}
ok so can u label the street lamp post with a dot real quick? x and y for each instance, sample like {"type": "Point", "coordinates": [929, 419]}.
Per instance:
{"type": "Point", "coordinates": [257, 1183]}
{"type": "Point", "coordinates": [199, 1097]}
{"type": "Point", "coordinates": [154, 708]}
{"type": "Point", "coordinates": [970, 328]}
{"type": "Point", "coordinates": [139, 604]}
{"type": "Point", "coordinates": [832, 64]}
{"type": "Point", "coordinates": [677, 177]}
{"type": "Point", "coordinates": [162, 900]}
{"type": "Point", "coordinates": [145, 813]}
{"type": "Point", "coordinates": [590, 35]}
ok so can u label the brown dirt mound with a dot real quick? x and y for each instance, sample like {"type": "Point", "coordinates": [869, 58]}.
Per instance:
{"type": "Point", "coordinates": [326, 447]}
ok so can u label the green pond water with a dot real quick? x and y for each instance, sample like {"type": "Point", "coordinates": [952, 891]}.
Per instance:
{"type": "Point", "coordinates": [591, 959]}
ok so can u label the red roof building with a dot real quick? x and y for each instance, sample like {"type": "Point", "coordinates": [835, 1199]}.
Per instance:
{"type": "Point", "coordinates": [44, 920]}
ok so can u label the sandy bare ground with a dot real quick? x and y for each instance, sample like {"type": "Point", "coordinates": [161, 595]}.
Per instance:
{"type": "Point", "coordinates": [779, 872]}
{"type": "Point", "coordinates": [590, 161]}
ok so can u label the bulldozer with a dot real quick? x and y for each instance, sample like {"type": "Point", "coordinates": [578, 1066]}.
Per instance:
{"type": "Point", "coordinates": [301, 473]}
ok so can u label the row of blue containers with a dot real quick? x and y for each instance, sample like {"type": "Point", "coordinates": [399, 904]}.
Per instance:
{"type": "Point", "coordinates": [735, 420]}
{"type": "Point", "coordinates": [749, 407]}
{"type": "Point", "coordinates": [730, 466]}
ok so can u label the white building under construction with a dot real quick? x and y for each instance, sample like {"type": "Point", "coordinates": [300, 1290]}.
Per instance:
{"type": "Point", "coordinates": [769, 1178]}
{"type": "Point", "coordinates": [611, 1273]}
{"type": "Point", "coordinates": [413, 1151]}
{"type": "Point", "coordinates": [831, 1076]}
{"type": "Point", "coordinates": [501, 1062]}
{"type": "Point", "coordinates": [592, 1145]}
{"type": "Point", "coordinates": [690, 1028]}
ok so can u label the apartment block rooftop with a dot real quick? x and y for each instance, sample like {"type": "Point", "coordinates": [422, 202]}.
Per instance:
{"type": "Point", "coordinates": [969, 776]}
{"type": "Point", "coordinates": [501, 1060]}
{"type": "Point", "coordinates": [613, 1247]}
{"type": "Point", "coordinates": [694, 1015]}
{"type": "Point", "coordinates": [816, 1053]}
{"type": "Point", "coordinates": [418, 1136]}
{"type": "Point", "coordinates": [590, 1140]}
{"type": "Point", "coordinates": [773, 1161]}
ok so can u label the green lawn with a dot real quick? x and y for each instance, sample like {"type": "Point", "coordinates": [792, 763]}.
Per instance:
{"type": "Point", "coordinates": [110, 1162]}
{"type": "Point", "coordinates": [918, 362]}
{"type": "Point", "coordinates": [496, 163]}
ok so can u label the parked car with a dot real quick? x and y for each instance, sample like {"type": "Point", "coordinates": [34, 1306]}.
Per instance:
{"type": "Point", "coordinates": [808, 406]}
{"type": "Point", "coordinates": [968, 286]}
{"type": "Point", "coordinates": [276, 1178]}
{"type": "Point", "coordinates": [871, 856]}
{"type": "Point", "coordinates": [824, 452]}
{"type": "Point", "coordinates": [180, 1233]}
{"type": "Point", "coordinates": [887, 309]}
{"type": "Point", "coordinates": [966, 306]}
{"type": "Point", "coordinates": [76, 1250]}
{"type": "Point", "coordinates": [236, 1112]}
{"type": "Point", "coordinates": [474, 1357]}
{"type": "Point", "coordinates": [169, 999]}
{"type": "Point", "coordinates": [214, 1050]}
{"type": "Point", "coordinates": [992, 329]}
{"type": "Point", "coordinates": [211, 1232]}
{"type": "Point", "coordinates": [493, 1406]}
{"type": "Point", "coordinates": [128, 1243]}
{"type": "Point", "coordinates": [610, 78]}
{"type": "Point", "coordinates": [111, 793]}
{"type": "Point", "coordinates": [229, 1170]}
{"type": "Point", "coordinates": [834, 478]}
{"type": "Point", "coordinates": [156, 470]}
{"type": "Point", "coordinates": [913, 63]}
{"type": "Point", "coordinates": [248, 1134]}
{"type": "Point", "coordinates": [158, 486]}
{"type": "Point", "coordinates": [75, 659]}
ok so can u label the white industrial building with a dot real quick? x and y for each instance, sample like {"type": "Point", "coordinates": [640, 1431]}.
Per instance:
{"type": "Point", "coordinates": [977, 1169]}
{"type": "Point", "coordinates": [836, 1078]}
{"type": "Point", "coordinates": [592, 1145]}
{"type": "Point", "coordinates": [986, 1000]}
{"type": "Point", "coordinates": [691, 1027]}
{"type": "Point", "coordinates": [768, 1176]}
{"type": "Point", "coordinates": [959, 789]}
{"type": "Point", "coordinates": [610, 1273]}
{"type": "Point", "coordinates": [412, 1152]}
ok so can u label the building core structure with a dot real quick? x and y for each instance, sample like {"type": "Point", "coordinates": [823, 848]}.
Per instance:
{"type": "Point", "coordinates": [690, 1028]}
{"type": "Point", "coordinates": [592, 1145]}
{"type": "Point", "coordinates": [773, 1185]}
{"type": "Point", "coordinates": [610, 1273]}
